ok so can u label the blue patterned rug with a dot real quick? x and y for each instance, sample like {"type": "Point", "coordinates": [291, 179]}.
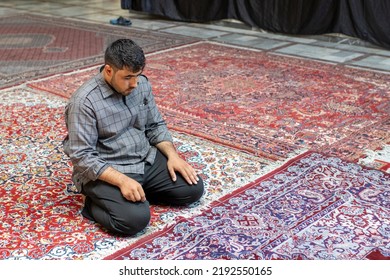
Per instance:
{"type": "Point", "coordinates": [313, 207]}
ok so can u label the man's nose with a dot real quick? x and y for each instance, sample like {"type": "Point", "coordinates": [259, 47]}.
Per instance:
{"type": "Point", "coordinates": [134, 82]}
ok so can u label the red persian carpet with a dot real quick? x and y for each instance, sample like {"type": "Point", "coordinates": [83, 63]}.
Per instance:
{"type": "Point", "coordinates": [313, 207]}
{"type": "Point", "coordinates": [35, 46]}
{"type": "Point", "coordinates": [39, 206]}
{"type": "Point", "coordinates": [237, 115]}
{"type": "Point", "coordinates": [264, 104]}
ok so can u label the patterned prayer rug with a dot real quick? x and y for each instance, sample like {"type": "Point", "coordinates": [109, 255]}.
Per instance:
{"type": "Point", "coordinates": [379, 159]}
{"type": "Point", "coordinates": [313, 207]}
{"type": "Point", "coordinates": [35, 46]}
{"type": "Point", "coordinates": [39, 207]}
{"type": "Point", "coordinates": [268, 105]}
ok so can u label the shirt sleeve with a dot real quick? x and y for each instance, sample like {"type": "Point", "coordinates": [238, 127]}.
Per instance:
{"type": "Point", "coordinates": [156, 129]}
{"type": "Point", "coordinates": [80, 145]}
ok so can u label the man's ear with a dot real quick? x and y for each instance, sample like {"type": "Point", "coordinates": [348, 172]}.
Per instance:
{"type": "Point", "coordinates": [108, 70]}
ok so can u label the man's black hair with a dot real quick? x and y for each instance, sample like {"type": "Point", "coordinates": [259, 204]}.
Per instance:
{"type": "Point", "coordinates": [125, 53]}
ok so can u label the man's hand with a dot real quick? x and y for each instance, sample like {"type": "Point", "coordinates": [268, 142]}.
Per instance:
{"type": "Point", "coordinates": [132, 190]}
{"type": "Point", "coordinates": [176, 163]}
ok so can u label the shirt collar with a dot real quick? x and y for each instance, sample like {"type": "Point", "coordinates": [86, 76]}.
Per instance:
{"type": "Point", "coordinates": [105, 88]}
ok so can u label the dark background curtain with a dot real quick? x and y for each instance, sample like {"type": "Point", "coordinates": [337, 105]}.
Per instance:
{"type": "Point", "coordinates": [365, 19]}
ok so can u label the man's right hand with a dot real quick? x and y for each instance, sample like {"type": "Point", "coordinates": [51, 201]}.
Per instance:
{"type": "Point", "coordinates": [132, 190]}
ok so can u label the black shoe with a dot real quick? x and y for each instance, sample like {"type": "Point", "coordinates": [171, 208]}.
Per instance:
{"type": "Point", "coordinates": [121, 21]}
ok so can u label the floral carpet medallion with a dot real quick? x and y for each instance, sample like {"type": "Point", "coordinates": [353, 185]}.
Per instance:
{"type": "Point", "coordinates": [264, 104]}
{"type": "Point", "coordinates": [39, 206]}
{"type": "Point", "coordinates": [313, 207]}
{"type": "Point", "coordinates": [36, 46]}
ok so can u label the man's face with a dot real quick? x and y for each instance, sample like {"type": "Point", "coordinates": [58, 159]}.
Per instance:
{"type": "Point", "coordinates": [122, 80]}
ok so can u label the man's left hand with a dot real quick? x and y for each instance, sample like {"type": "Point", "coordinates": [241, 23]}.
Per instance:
{"type": "Point", "coordinates": [177, 164]}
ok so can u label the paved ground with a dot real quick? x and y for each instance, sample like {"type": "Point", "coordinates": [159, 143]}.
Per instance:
{"type": "Point", "coordinates": [334, 48]}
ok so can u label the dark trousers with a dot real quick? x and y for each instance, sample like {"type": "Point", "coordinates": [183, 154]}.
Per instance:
{"type": "Point", "coordinates": [105, 204]}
